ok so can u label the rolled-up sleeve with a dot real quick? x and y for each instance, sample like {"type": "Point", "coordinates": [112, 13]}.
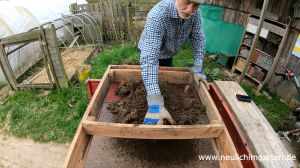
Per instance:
{"type": "Point", "coordinates": [152, 40]}
{"type": "Point", "coordinates": [198, 41]}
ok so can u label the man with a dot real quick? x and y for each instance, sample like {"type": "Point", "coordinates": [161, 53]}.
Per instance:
{"type": "Point", "coordinates": [168, 25]}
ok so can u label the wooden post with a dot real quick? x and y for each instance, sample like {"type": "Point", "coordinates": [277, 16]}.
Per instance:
{"type": "Point", "coordinates": [47, 54]}
{"type": "Point", "coordinates": [255, 40]}
{"type": "Point", "coordinates": [116, 18]}
{"type": "Point", "coordinates": [55, 57]}
{"type": "Point", "coordinates": [6, 69]}
{"type": "Point", "coordinates": [121, 20]}
{"type": "Point", "coordinates": [128, 23]}
{"type": "Point", "coordinates": [45, 61]}
{"type": "Point", "coordinates": [274, 64]}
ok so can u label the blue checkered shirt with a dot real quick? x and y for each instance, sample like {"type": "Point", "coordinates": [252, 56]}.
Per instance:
{"type": "Point", "coordinates": [163, 36]}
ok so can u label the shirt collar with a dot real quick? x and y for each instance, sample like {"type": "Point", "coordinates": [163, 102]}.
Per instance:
{"type": "Point", "coordinates": [173, 10]}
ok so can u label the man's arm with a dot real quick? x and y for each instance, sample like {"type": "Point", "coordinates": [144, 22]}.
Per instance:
{"type": "Point", "coordinates": [198, 42]}
{"type": "Point", "coordinates": [150, 51]}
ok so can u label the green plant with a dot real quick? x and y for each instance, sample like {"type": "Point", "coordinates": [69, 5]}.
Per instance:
{"type": "Point", "coordinates": [2, 84]}
{"type": "Point", "coordinates": [212, 73]}
{"type": "Point", "coordinates": [274, 110]}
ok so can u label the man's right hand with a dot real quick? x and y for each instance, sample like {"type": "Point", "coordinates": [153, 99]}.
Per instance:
{"type": "Point", "coordinates": [157, 111]}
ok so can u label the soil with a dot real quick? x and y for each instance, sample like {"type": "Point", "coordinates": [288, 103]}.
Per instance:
{"type": "Point", "coordinates": [116, 152]}
{"type": "Point", "coordinates": [111, 152]}
{"type": "Point", "coordinates": [71, 58]}
{"type": "Point", "coordinates": [184, 108]}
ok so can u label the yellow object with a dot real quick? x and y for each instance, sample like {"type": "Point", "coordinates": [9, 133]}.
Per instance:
{"type": "Point", "coordinates": [83, 72]}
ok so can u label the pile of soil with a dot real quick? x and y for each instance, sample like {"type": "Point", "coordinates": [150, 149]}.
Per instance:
{"type": "Point", "coordinates": [184, 108]}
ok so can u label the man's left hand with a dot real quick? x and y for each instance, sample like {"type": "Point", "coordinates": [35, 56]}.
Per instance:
{"type": "Point", "coordinates": [199, 75]}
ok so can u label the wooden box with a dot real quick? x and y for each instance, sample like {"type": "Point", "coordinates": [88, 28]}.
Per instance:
{"type": "Point", "coordinates": [90, 125]}
{"type": "Point", "coordinates": [240, 63]}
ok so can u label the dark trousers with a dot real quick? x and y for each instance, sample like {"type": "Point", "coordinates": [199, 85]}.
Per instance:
{"type": "Point", "coordinates": [165, 62]}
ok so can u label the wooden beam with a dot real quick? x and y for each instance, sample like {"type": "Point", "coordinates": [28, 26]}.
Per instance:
{"type": "Point", "coordinates": [36, 85]}
{"type": "Point", "coordinates": [46, 63]}
{"type": "Point", "coordinates": [7, 71]}
{"type": "Point", "coordinates": [95, 104]}
{"type": "Point", "coordinates": [152, 131]}
{"type": "Point", "coordinates": [211, 109]}
{"type": "Point", "coordinates": [78, 150]}
{"type": "Point", "coordinates": [137, 67]}
{"type": "Point", "coordinates": [15, 49]}
{"type": "Point", "coordinates": [224, 147]}
{"type": "Point", "coordinates": [261, 137]}
{"type": "Point", "coordinates": [63, 79]}
{"type": "Point", "coordinates": [73, 42]}
{"type": "Point", "coordinates": [47, 54]}
{"type": "Point", "coordinates": [21, 38]}
{"type": "Point", "coordinates": [163, 76]}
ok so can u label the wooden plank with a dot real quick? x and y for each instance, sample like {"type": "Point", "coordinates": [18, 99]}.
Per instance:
{"type": "Point", "coordinates": [211, 109]}
{"type": "Point", "coordinates": [62, 79]}
{"type": "Point", "coordinates": [21, 38]}
{"type": "Point", "coordinates": [128, 23]}
{"type": "Point", "coordinates": [4, 74]}
{"type": "Point", "coordinates": [163, 76]}
{"type": "Point", "coordinates": [36, 85]}
{"type": "Point", "coordinates": [116, 18]}
{"type": "Point", "coordinates": [17, 48]}
{"type": "Point", "coordinates": [141, 131]}
{"type": "Point", "coordinates": [121, 19]}
{"type": "Point", "coordinates": [78, 150]}
{"type": "Point", "coordinates": [80, 145]}
{"type": "Point", "coordinates": [138, 67]}
{"type": "Point", "coordinates": [260, 136]}
{"type": "Point", "coordinates": [95, 104]}
{"type": "Point", "coordinates": [47, 54]}
{"type": "Point", "coordinates": [73, 42]}
{"type": "Point", "coordinates": [271, 27]}
{"type": "Point", "coordinates": [224, 147]}
{"type": "Point", "coordinates": [7, 71]}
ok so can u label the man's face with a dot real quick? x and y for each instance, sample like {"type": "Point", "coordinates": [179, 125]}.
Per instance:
{"type": "Point", "coordinates": [186, 8]}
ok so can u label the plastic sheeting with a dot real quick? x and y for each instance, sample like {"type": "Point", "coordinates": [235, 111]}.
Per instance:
{"type": "Point", "coordinates": [17, 16]}
{"type": "Point", "coordinates": [220, 35]}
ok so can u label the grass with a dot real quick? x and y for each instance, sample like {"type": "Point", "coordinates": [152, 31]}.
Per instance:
{"type": "Point", "coordinates": [2, 84]}
{"type": "Point", "coordinates": [44, 118]}
{"type": "Point", "coordinates": [55, 116]}
{"type": "Point", "coordinates": [274, 110]}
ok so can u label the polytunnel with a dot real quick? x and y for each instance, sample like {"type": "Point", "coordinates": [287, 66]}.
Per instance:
{"type": "Point", "coordinates": [17, 16]}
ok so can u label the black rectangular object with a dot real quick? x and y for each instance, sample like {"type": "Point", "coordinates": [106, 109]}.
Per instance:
{"type": "Point", "coordinates": [243, 98]}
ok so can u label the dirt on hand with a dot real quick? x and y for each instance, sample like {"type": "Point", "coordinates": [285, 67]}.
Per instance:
{"type": "Point", "coordinates": [184, 108]}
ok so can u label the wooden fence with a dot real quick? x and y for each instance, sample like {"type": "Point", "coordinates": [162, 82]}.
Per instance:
{"type": "Point", "coordinates": [117, 21]}
{"type": "Point", "coordinates": [50, 54]}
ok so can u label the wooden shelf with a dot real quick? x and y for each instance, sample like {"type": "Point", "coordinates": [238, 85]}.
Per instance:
{"type": "Point", "coordinates": [255, 80]}
{"type": "Point", "coordinates": [239, 55]}
{"type": "Point", "coordinates": [263, 38]}
{"type": "Point", "coordinates": [259, 50]}
{"type": "Point", "coordinates": [273, 35]}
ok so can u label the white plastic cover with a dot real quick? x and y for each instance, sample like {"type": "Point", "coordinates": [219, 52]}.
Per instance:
{"type": "Point", "coordinates": [17, 16]}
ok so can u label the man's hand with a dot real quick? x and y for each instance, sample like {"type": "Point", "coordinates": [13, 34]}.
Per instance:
{"type": "Point", "coordinates": [157, 111]}
{"type": "Point", "coordinates": [199, 75]}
